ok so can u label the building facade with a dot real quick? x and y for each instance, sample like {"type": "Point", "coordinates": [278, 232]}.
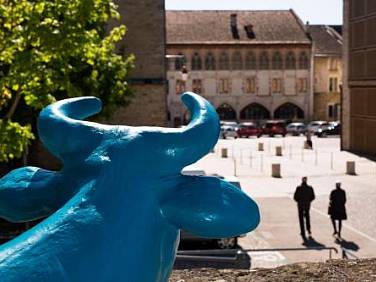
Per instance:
{"type": "Point", "coordinates": [327, 46]}
{"type": "Point", "coordinates": [146, 39]}
{"type": "Point", "coordinates": [359, 101]}
{"type": "Point", "coordinates": [251, 65]}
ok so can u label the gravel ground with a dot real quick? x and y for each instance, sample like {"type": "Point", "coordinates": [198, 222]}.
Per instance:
{"type": "Point", "coordinates": [332, 270]}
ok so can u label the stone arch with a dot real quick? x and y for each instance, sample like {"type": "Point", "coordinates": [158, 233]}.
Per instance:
{"type": "Point", "coordinates": [254, 111]}
{"type": "Point", "coordinates": [237, 61]}
{"type": "Point", "coordinates": [226, 112]}
{"type": "Point", "coordinates": [303, 61]}
{"type": "Point", "coordinates": [180, 62]}
{"type": "Point", "coordinates": [210, 61]}
{"type": "Point", "coordinates": [277, 62]}
{"type": "Point", "coordinates": [196, 63]}
{"type": "Point", "coordinates": [289, 111]}
{"type": "Point", "coordinates": [290, 61]}
{"type": "Point", "coordinates": [264, 61]}
{"type": "Point", "coordinates": [250, 61]}
{"type": "Point", "coordinates": [224, 61]}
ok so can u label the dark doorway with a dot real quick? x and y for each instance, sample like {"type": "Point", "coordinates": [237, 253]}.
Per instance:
{"type": "Point", "coordinates": [289, 111]}
{"type": "Point", "coordinates": [226, 112]}
{"type": "Point", "coordinates": [254, 111]}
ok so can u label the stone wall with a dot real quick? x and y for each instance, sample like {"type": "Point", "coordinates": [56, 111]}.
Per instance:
{"type": "Point", "coordinates": [147, 108]}
{"type": "Point", "coordinates": [146, 39]}
{"type": "Point", "coordinates": [360, 90]}
{"type": "Point", "coordinates": [322, 96]}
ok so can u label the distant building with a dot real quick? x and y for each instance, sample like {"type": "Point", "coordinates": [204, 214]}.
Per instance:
{"type": "Point", "coordinates": [251, 65]}
{"type": "Point", "coordinates": [327, 46]}
{"type": "Point", "coordinates": [359, 101]}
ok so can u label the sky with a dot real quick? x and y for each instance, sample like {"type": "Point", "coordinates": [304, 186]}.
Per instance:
{"type": "Point", "coordinates": [314, 11]}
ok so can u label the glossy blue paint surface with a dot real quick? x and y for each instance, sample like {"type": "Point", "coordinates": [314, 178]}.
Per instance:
{"type": "Point", "coordinates": [116, 207]}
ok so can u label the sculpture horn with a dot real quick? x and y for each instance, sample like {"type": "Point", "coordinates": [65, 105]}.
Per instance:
{"type": "Point", "coordinates": [64, 133]}
{"type": "Point", "coordinates": [204, 128]}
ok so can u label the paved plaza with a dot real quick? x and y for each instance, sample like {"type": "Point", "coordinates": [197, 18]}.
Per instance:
{"type": "Point", "coordinates": [279, 228]}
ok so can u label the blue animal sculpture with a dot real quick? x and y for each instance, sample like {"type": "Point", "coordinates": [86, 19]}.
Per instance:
{"type": "Point", "coordinates": [116, 208]}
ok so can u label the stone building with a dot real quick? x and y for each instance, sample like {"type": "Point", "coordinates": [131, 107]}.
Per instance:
{"type": "Point", "coordinates": [146, 39]}
{"type": "Point", "coordinates": [359, 101]}
{"type": "Point", "coordinates": [251, 65]}
{"type": "Point", "coordinates": [327, 46]}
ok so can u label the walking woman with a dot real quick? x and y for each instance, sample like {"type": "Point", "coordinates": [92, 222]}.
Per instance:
{"type": "Point", "coordinates": [337, 209]}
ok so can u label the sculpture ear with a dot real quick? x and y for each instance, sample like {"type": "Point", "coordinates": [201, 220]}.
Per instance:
{"type": "Point", "coordinates": [27, 193]}
{"type": "Point", "coordinates": [210, 207]}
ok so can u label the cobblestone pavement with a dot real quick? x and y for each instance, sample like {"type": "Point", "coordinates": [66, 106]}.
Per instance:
{"type": "Point", "coordinates": [324, 165]}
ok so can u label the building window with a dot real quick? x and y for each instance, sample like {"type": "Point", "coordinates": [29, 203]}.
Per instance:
{"type": "Point", "coordinates": [210, 62]}
{"type": "Point", "coordinates": [196, 62]}
{"type": "Point", "coordinates": [303, 61]}
{"type": "Point", "coordinates": [180, 86]}
{"type": "Point", "coordinates": [197, 86]}
{"type": "Point", "coordinates": [277, 85]}
{"type": "Point", "coordinates": [302, 85]}
{"type": "Point", "coordinates": [250, 61]}
{"type": "Point", "coordinates": [277, 63]}
{"type": "Point", "coordinates": [264, 61]}
{"type": "Point", "coordinates": [290, 63]}
{"type": "Point", "coordinates": [224, 86]}
{"type": "Point", "coordinates": [237, 61]}
{"type": "Point", "coordinates": [333, 111]}
{"type": "Point", "coordinates": [333, 84]}
{"type": "Point", "coordinates": [224, 62]}
{"type": "Point", "coordinates": [250, 85]}
{"type": "Point", "coordinates": [333, 64]}
{"type": "Point", "coordinates": [180, 62]}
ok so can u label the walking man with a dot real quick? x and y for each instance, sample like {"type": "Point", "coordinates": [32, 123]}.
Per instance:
{"type": "Point", "coordinates": [337, 209]}
{"type": "Point", "coordinates": [304, 195]}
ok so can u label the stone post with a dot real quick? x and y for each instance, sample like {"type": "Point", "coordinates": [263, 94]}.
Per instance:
{"type": "Point", "coordinates": [261, 146]}
{"type": "Point", "coordinates": [350, 168]}
{"type": "Point", "coordinates": [224, 153]}
{"type": "Point", "coordinates": [276, 170]}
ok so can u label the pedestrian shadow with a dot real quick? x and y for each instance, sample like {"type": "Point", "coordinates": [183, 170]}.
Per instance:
{"type": "Point", "coordinates": [347, 246]}
{"type": "Point", "coordinates": [313, 244]}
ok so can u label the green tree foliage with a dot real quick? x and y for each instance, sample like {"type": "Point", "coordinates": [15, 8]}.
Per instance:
{"type": "Point", "coordinates": [53, 49]}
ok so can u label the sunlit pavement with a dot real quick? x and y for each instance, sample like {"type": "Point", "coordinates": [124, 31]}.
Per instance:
{"type": "Point", "coordinates": [279, 228]}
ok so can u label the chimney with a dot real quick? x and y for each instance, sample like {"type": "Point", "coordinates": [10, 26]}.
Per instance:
{"type": "Point", "coordinates": [234, 26]}
{"type": "Point", "coordinates": [249, 30]}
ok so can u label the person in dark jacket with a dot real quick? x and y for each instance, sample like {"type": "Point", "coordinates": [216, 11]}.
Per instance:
{"type": "Point", "coordinates": [337, 209]}
{"type": "Point", "coordinates": [304, 195]}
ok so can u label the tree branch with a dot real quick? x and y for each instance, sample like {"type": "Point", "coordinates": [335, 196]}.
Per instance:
{"type": "Point", "coordinates": [13, 107]}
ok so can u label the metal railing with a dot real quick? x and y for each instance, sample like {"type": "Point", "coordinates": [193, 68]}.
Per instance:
{"type": "Point", "coordinates": [232, 255]}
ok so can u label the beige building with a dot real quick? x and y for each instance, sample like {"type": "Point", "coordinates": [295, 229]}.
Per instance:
{"type": "Point", "coordinates": [251, 65]}
{"type": "Point", "coordinates": [327, 46]}
{"type": "Point", "coordinates": [359, 101]}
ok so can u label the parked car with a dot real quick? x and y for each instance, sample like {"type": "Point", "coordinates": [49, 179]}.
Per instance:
{"type": "Point", "coordinates": [247, 129]}
{"type": "Point", "coordinates": [334, 128]}
{"type": "Point", "coordinates": [222, 243]}
{"type": "Point", "coordinates": [316, 127]}
{"type": "Point", "coordinates": [229, 131]}
{"type": "Point", "coordinates": [296, 128]}
{"type": "Point", "coordinates": [274, 127]}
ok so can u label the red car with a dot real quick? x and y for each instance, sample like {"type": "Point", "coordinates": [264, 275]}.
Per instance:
{"type": "Point", "coordinates": [274, 127]}
{"type": "Point", "coordinates": [248, 129]}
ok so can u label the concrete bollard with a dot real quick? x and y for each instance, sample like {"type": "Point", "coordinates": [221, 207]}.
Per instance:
{"type": "Point", "coordinates": [278, 151]}
{"type": "Point", "coordinates": [224, 153]}
{"type": "Point", "coordinates": [261, 146]}
{"type": "Point", "coordinates": [350, 168]}
{"type": "Point", "coordinates": [276, 170]}
{"type": "Point", "coordinates": [306, 146]}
